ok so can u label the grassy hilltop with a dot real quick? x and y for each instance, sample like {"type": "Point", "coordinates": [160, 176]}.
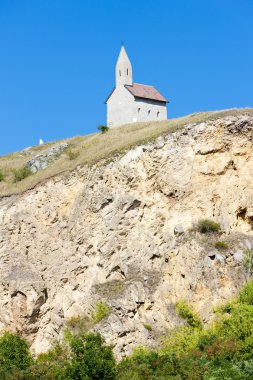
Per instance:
{"type": "Point", "coordinates": [89, 149]}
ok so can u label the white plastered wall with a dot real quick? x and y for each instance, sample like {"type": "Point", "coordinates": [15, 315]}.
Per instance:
{"type": "Point", "coordinates": [123, 108]}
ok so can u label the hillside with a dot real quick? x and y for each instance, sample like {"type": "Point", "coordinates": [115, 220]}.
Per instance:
{"type": "Point", "coordinates": [89, 149]}
{"type": "Point", "coordinates": [115, 229]}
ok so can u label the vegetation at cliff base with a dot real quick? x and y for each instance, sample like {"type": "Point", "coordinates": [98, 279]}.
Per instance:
{"type": "Point", "coordinates": [14, 354]}
{"type": "Point", "coordinates": [221, 351]}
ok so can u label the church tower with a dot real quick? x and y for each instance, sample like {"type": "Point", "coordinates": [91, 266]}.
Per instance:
{"type": "Point", "coordinates": [123, 69]}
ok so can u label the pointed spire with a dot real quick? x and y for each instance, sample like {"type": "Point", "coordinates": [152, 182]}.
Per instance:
{"type": "Point", "coordinates": [123, 68]}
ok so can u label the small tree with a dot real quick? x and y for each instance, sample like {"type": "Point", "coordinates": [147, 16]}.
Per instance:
{"type": "Point", "coordinates": [14, 354]}
{"type": "Point", "coordinates": [91, 358]}
{"type": "Point", "coordinates": [103, 128]}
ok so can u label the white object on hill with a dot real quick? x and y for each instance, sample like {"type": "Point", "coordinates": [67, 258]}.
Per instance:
{"type": "Point", "coordinates": [41, 142]}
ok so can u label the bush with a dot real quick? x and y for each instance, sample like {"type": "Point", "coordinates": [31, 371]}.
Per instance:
{"type": "Point", "coordinates": [103, 128]}
{"type": "Point", "coordinates": [101, 311]}
{"type": "Point", "coordinates": [91, 359]}
{"type": "Point", "coordinates": [148, 365]}
{"type": "Point", "coordinates": [79, 324]}
{"type": "Point", "coordinates": [225, 371]}
{"type": "Point", "coordinates": [22, 173]}
{"type": "Point", "coordinates": [180, 340]}
{"type": "Point", "coordinates": [72, 155]}
{"type": "Point", "coordinates": [248, 262]}
{"type": "Point", "coordinates": [14, 354]}
{"type": "Point", "coordinates": [2, 176]}
{"type": "Point", "coordinates": [221, 245]}
{"type": "Point", "coordinates": [246, 293]}
{"type": "Point", "coordinates": [148, 327]}
{"type": "Point", "coordinates": [49, 366]}
{"type": "Point", "coordinates": [186, 312]}
{"type": "Point", "coordinates": [205, 226]}
{"type": "Point", "coordinates": [222, 351]}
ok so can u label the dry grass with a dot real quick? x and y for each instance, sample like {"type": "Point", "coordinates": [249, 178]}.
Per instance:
{"type": "Point", "coordinates": [92, 148]}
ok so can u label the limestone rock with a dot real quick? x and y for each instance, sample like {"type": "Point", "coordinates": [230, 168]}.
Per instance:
{"type": "Point", "coordinates": [42, 161]}
{"type": "Point", "coordinates": [178, 230]}
{"type": "Point", "coordinates": [121, 233]}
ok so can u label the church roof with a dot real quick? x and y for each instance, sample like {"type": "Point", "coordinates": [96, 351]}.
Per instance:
{"type": "Point", "coordinates": [145, 92]}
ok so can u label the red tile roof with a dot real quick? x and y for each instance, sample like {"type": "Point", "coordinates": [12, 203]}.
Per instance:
{"type": "Point", "coordinates": [146, 92]}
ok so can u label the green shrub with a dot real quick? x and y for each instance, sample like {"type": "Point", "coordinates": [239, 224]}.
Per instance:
{"type": "Point", "coordinates": [205, 226]}
{"type": "Point", "coordinates": [226, 308]}
{"type": "Point", "coordinates": [146, 365]}
{"type": "Point", "coordinates": [50, 365]}
{"type": "Point", "coordinates": [179, 340]}
{"type": "Point", "coordinates": [248, 262]}
{"type": "Point", "coordinates": [22, 173]}
{"type": "Point", "coordinates": [246, 293]}
{"type": "Point", "coordinates": [2, 176]}
{"type": "Point", "coordinates": [103, 128]}
{"type": "Point", "coordinates": [72, 155]}
{"type": "Point", "coordinates": [91, 359]}
{"type": "Point", "coordinates": [14, 354]}
{"type": "Point", "coordinates": [224, 371]}
{"type": "Point", "coordinates": [100, 312]}
{"type": "Point", "coordinates": [221, 351]}
{"type": "Point", "coordinates": [79, 323]}
{"type": "Point", "coordinates": [186, 312]}
{"type": "Point", "coordinates": [221, 245]}
{"type": "Point", "coordinates": [148, 327]}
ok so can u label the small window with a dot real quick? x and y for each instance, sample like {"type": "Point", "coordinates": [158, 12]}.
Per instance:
{"type": "Point", "coordinates": [127, 71]}
{"type": "Point", "coordinates": [139, 110]}
{"type": "Point", "coordinates": [158, 113]}
{"type": "Point", "coordinates": [119, 73]}
{"type": "Point", "coordinates": [148, 112]}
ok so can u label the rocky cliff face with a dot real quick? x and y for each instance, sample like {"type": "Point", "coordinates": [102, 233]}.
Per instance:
{"type": "Point", "coordinates": [122, 233]}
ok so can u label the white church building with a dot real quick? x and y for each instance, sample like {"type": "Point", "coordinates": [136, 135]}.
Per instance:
{"type": "Point", "coordinates": [131, 102]}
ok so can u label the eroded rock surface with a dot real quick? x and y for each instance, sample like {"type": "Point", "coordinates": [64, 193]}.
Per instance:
{"type": "Point", "coordinates": [122, 233]}
{"type": "Point", "coordinates": [42, 161]}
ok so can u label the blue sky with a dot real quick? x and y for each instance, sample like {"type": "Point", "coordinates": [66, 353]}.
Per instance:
{"type": "Point", "coordinates": [57, 60]}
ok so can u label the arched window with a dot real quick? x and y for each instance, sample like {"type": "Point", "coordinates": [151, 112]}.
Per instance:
{"type": "Point", "coordinates": [119, 73]}
{"type": "Point", "coordinates": [158, 113]}
{"type": "Point", "coordinates": [148, 112]}
{"type": "Point", "coordinates": [139, 110]}
{"type": "Point", "coordinates": [127, 71]}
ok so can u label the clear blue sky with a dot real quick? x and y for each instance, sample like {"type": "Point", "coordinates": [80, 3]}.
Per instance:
{"type": "Point", "coordinates": [57, 60]}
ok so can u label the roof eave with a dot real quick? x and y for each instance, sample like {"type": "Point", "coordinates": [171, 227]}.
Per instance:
{"type": "Point", "coordinates": [130, 92]}
{"type": "Point", "coordinates": [154, 100]}
{"type": "Point", "coordinates": [108, 97]}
